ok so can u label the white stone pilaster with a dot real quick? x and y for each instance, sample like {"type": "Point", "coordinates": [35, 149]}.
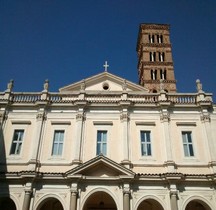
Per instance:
{"type": "Point", "coordinates": [205, 118]}
{"type": "Point", "coordinates": [80, 118]}
{"type": "Point", "coordinates": [34, 155]}
{"type": "Point", "coordinates": [165, 118]}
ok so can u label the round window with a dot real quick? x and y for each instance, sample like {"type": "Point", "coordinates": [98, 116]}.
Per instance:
{"type": "Point", "coordinates": [105, 86]}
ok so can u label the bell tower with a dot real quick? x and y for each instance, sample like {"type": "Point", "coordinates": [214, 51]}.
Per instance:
{"type": "Point", "coordinates": [155, 63]}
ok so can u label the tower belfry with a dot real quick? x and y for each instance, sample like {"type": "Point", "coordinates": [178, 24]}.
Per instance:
{"type": "Point", "coordinates": [155, 61]}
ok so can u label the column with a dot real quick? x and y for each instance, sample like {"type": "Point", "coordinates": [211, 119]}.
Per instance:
{"type": "Point", "coordinates": [73, 196]}
{"type": "Point", "coordinates": [173, 200]}
{"type": "Point", "coordinates": [126, 196]}
{"type": "Point", "coordinates": [73, 200]}
{"type": "Point", "coordinates": [27, 197]}
{"type": "Point", "coordinates": [126, 200]}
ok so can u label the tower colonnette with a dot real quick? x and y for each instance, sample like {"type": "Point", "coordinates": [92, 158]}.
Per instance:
{"type": "Point", "coordinates": [155, 63]}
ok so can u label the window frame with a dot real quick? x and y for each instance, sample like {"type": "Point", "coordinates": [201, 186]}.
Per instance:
{"type": "Point", "coordinates": [145, 126]}
{"type": "Point", "coordinates": [105, 126]}
{"type": "Point", "coordinates": [58, 142]}
{"type": "Point", "coordinates": [102, 142]}
{"type": "Point", "coordinates": [188, 145]}
{"type": "Point", "coordinates": [144, 143]}
{"type": "Point", "coordinates": [17, 142]}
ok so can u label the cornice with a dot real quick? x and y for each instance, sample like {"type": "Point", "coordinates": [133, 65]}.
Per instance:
{"type": "Point", "coordinates": [158, 81]}
{"type": "Point", "coordinates": [157, 63]}
{"type": "Point", "coordinates": [157, 45]}
{"type": "Point", "coordinates": [154, 26]}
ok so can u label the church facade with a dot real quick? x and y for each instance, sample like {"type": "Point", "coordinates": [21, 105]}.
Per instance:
{"type": "Point", "coordinates": [108, 143]}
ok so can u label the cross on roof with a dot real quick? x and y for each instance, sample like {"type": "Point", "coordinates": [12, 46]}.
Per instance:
{"type": "Point", "coordinates": [105, 66]}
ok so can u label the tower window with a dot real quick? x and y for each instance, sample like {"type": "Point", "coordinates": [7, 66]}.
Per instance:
{"type": "Point", "coordinates": [153, 74]}
{"type": "Point", "coordinates": [151, 38]}
{"type": "Point", "coordinates": [163, 74]}
{"type": "Point", "coordinates": [152, 56]}
{"type": "Point", "coordinates": [160, 38]}
{"type": "Point", "coordinates": [161, 56]}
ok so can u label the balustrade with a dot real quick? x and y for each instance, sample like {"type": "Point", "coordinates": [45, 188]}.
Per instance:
{"type": "Point", "coordinates": [177, 98]}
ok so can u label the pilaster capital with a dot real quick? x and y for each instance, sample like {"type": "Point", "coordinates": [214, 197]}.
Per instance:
{"type": "Point", "coordinates": [205, 117]}
{"type": "Point", "coordinates": [28, 188]}
{"type": "Point", "coordinates": [165, 117]}
{"type": "Point", "coordinates": [3, 116]}
{"type": "Point", "coordinates": [80, 116]}
{"type": "Point", "coordinates": [124, 116]}
{"type": "Point", "coordinates": [41, 116]}
{"type": "Point", "coordinates": [174, 193]}
{"type": "Point", "coordinates": [74, 188]}
{"type": "Point", "coordinates": [126, 189]}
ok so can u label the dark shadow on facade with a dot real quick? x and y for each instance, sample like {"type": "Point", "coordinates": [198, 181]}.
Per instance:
{"type": "Point", "coordinates": [5, 201]}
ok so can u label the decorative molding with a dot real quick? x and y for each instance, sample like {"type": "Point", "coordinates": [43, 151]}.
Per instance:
{"type": "Point", "coordinates": [157, 63]}
{"type": "Point", "coordinates": [150, 123]}
{"type": "Point", "coordinates": [102, 122]}
{"type": "Point", "coordinates": [21, 122]}
{"type": "Point", "coordinates": [155, 26]}
{"type": "Point", "coordinates": [162, 45]}
{"type": "Point", "coordinates": [186, 123]}
{"type": "Point", "coordinates": [60, 122]}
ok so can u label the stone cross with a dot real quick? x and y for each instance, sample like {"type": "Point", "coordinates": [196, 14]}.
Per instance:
{"type": "Point", "coordinates": [105, 66]}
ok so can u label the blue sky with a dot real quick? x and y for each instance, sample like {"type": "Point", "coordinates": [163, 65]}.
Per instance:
{"type": "Point", "coordinates": [67, 40]}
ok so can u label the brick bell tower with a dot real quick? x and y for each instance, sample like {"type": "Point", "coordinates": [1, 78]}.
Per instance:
{"type": "Point", "coordinates": [155, 62]}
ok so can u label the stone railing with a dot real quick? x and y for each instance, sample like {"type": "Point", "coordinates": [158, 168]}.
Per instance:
{"type": "Point", "coordinates": [103, 98]}
{"type": "Point", "coordinates": [25, 97]}
{"type": "Point", "coordinates": [139, 98]}
{"type": "Point", "coordinates": [145, 98]}
{"type": "Point", "coordinates": [182, 98]}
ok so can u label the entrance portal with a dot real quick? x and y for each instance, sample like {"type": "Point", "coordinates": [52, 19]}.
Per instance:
{"type": "Point", "coordinates": [197, 205]}
{"type": "Point", "coordinates": [7, 203]}
{"type": "Point", "coordinates": [150, 204]}
{"type": "Point", "coordinates": [100, 201]}
{"type": "Point", "coordinates": [51, 204]}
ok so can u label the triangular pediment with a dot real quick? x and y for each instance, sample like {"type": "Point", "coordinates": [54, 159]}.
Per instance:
{"type": "Point", "coordinates": [104, 81]}
{"type": "Point", "coordinates": [100, 166]}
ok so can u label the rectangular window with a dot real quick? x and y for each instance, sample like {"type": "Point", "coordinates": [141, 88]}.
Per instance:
{"type": "Point", "coordinates": [58, 142]}
{"type": "Point", "coordinates": [187, 143]}
{"type": "Point", "coordinates": [145, 137]}
{"type": "Point", "coordinates": [101, 142]}
{"type": "Point", "coordinates": [17, 142]}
